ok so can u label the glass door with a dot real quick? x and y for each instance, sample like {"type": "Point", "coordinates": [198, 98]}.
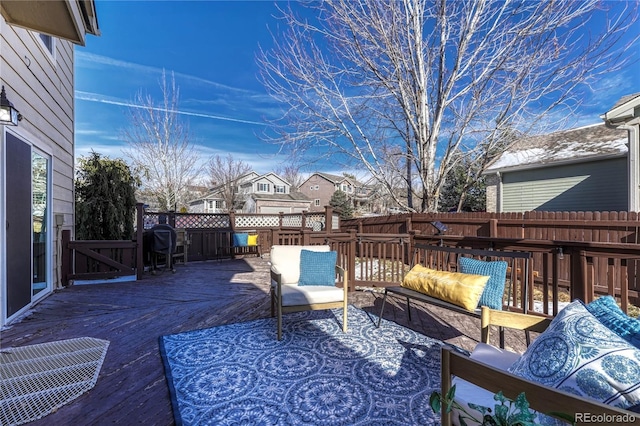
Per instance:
{"type": "Point", "coordinates": [41, 222]}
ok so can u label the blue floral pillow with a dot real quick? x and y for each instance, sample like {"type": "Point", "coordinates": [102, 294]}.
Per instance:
{"type": "Point", "coordinates": [579, 355]}
{"type": "Point", "coordinates": [317, 267]}
{"type": "Point", "coordinates": [497, 272]}
{"type": "Point", "coordinates": [609, 313]}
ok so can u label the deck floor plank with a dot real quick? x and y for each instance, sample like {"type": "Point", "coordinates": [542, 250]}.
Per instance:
{"type": "Point", "coordinates": [131, 388]}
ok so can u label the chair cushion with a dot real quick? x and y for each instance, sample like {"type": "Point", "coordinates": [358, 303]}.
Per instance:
{"type": "Point", "coordinates": [252, 240]}
{"type": "Point", "coordinates": [454, 287]}
{"type": "Point", "coordinates": [286, 260]}
{"type": "Point", "coordinates": [468, 392]}
{"type": "Point", "coordinates": [295, 295]}
{"type": "Point", "coordinates": [317, 268]}
{"type": "Point", "coordinates": [579, 355]}
{"type": "Point", "coordinates": [240, 239]}
{"type": "Point", "coordinates": [609, 313]}
{"type": "Point", "coordinates": [497, 272]}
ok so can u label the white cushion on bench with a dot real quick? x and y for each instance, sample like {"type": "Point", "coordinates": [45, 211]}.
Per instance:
{"type": "Point", "coordinates": [468, 392]}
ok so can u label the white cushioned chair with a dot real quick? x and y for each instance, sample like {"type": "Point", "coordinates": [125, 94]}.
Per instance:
{"type": "Point", "coordinates": [288, 296]}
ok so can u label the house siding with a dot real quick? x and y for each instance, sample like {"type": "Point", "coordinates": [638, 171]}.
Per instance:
{"type": "Point", "coordinates": [590, 186]}
{"type": "Point", "coordinates": [323, 193]}
{"type": "Point", "coordinates": [41, 87]}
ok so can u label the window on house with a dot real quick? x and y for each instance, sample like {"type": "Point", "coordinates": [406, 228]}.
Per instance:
{"type": "Point", "coordinates": [280, 189]}
{"type": "Point", "coordinates": [219, 204]}
{"type": "Point", "coordinates": [317, 187]}
{"type": "Point", "coordinates": [263, 187]}
{"type": "Point", "coordinates": [317, 202]}
{"type": "Point", "coordinates": [47, 41]}
{"type": "Point", "coordinates": [311, 188]}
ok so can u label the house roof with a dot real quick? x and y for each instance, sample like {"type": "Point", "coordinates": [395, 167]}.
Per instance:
{"type": "Point", "coordinates": [627, 108]}
{"type": "Point", "coordinates": [334, 179]}
{"type": "Point", "coordinates": [292, 196]}
{"type": "Point", "coordinates": [587, 143]}
{"type": "Point", "coordinates": [67, 19]}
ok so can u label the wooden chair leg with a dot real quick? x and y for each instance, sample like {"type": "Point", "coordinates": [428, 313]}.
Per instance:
{"type": "Point", "coordinates": [344, 318]}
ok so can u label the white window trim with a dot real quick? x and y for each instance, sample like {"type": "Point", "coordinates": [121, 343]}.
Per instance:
{"type": "Point", "coordinates": [50, 54]}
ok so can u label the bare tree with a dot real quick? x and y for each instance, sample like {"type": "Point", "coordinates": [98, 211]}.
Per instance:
{"type": "Point", "coordinates": [291, 173]}
{"type": "Point", "coordinates": [224, 174]}
{"type": "Point", "coordinates": [434, 78]}
{"type": "Point", "coordinates": [160, 148]}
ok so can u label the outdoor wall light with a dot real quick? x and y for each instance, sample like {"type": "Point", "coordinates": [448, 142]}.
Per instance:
{"type": "Point", "coordinates": [8, 114]}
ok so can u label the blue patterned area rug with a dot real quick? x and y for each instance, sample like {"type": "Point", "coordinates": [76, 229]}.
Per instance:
{"type": "Point", "coordinates": [316, 375]}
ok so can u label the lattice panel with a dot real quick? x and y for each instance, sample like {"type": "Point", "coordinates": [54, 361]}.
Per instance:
{"type": "Point", "coordinates": [203, 220]}
{"type": "Point", "coordinates": [335, 223]}
{"type": "Point", "coordinates": [150, 219]}
{"type": "Point", "coordinates": [292, 220]}
{"type": "Point", "coordinates": [315, 220]}
{"type": "Point", "coordinates": [257, 221]}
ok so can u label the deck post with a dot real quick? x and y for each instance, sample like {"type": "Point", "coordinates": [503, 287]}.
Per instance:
{"type": "Point", "coordinates": [139, 242]}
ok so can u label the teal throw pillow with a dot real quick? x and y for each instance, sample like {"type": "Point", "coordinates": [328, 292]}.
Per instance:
{"type": "Point", "coordinates": [609, 313]}
{"type": "Point", "coordinates": [497, 273]}
{"type": "Point", "coordinates": [240, 239]}
{"type": "Point", "coordinates": [317, 268]}
{"type": "Point", "coordinates": [579, 355]}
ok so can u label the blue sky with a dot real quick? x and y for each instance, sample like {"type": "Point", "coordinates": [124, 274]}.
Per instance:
{"type": "Point", "coordinates": [210, 46]}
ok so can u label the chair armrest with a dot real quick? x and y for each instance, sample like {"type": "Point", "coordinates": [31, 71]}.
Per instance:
{"type": "Point", "coordinates": [342, 273]}
{"type": "Point", "coordinates": [541, 398]}
{"type": "Point", "coordinates": [276, 275]}
{"type": "Point", "coordinates": [514, 320]}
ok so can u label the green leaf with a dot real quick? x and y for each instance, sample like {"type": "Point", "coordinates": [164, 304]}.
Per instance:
{"type": "Point", "coordinates": [435, 401]}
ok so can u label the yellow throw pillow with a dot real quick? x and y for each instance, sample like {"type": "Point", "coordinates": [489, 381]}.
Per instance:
{"type": "Point", "coordinates": [252, 240]}
{"type": "Point", "coordinates": [455, 287]}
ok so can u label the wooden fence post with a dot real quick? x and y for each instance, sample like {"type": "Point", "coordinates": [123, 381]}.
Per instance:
{"type": "Point", "coordinates": [139, 240]}
{"type": "Point", "coordinates": [328, 219]}
{"type": "Point", "coordinates": [303, 222]}
{"type": "Point", "coordinates": [579, 288]}
{"type": "Point", "coordinates": [232, 219]}
{"type": "Point", "coordinates": [65, 261]}
{"type": "Point", "coordinates": [493, 228]}
{"type": "Point", "coordinates": [351, 259]}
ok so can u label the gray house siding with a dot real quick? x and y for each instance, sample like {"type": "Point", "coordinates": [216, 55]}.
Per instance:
{"type": "Point", "coordinates": [591, 186]}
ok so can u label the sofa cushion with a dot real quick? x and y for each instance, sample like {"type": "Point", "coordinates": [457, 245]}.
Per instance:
{"type": "Point", "coordinates": [579, 355]}
{"type": "Point", "coordinates": [318, 268]}
{"type": "Point", "coordinates": [252, 240]}
{"type": "Point", "coordinates": [286, 261]}
{"type": "Point", "coordinates": [609, 313]}
{"type": "Point", "coordinates": [497, 272]}
{"type": "Point", "coordinates": [454, 287]}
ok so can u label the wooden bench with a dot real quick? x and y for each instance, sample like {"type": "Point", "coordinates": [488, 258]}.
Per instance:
{"type": "Point", "coordinates": [446, 259]}
{"type": "Point", "coordinates": [242, 249]}
{"type": "Point", "coordinates": [541, 398]}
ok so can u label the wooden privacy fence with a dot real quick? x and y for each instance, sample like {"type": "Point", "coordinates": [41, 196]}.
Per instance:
{"type": "Point", "coordinates": [600, 227]}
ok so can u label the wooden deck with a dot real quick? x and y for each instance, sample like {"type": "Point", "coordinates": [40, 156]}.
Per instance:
{"type": "Point", "coordinates": [131, 388]}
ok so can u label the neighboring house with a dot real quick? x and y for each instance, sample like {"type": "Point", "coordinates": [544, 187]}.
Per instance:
{"type": "Point", "coordinates": [319, 187]}
{"type": "Point", "coordinates": [37, 154]}
{"type": "Point", "coordinates": [254, 193]}
{"type": "Point", "coordinates": [625, 115]}
{"type": "Point", "coordinates": [215, 201]}
{"type": "Point", "coordinates": [583, 169]}
{"type": "Point", "coordinates": [269, 193]}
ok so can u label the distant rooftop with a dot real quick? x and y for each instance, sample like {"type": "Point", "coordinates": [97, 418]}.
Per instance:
{"type": "Point", "coordinates": [581, 144]}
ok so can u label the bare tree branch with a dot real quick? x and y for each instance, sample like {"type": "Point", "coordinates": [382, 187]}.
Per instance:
{"type": "Point", "coordinates": [159, 146]}
{"type": "Point", "coordinates": [441, 80]}
{"type": "Point", "coordinates": [224, 174]}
